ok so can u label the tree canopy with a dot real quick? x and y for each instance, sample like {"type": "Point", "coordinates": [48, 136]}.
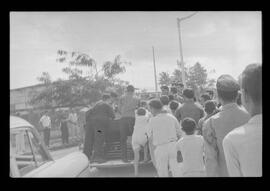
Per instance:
{"type": "Point", "coordinates": [85, 83]}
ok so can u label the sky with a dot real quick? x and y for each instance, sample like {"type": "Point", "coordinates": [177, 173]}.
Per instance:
{"type": "Point", "coordinates": [222, 41]}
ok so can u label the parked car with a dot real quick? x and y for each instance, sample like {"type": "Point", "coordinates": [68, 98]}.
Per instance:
{"type": "Point", "coordinates": [30, 158]}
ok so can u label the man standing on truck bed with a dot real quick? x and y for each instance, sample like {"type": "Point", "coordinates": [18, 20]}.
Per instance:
{"type": "Point", "coordinates": [98, 122]}
{"type": "Point", "coordinates": [127, 106]}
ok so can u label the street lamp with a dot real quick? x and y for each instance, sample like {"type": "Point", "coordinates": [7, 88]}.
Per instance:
{"type": "Point", "coordinates": [180, 46]}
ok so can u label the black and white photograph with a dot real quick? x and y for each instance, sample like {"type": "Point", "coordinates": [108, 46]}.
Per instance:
{"type": "Point", "coordinates": [135, 94]}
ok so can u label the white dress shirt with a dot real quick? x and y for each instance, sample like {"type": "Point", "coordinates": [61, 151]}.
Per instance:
{"type": "Point", "coordinates": [164, 127]}
{"type": "Point", "coordinates": [45, 121]}
{"type": "Point", "coordinates": [243, 149]}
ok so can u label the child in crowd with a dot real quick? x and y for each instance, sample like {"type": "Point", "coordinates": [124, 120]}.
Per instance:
{"type": "Point", "coordinates": [139, 137]}
{"type": "Point", "coordinates": [191, 147]}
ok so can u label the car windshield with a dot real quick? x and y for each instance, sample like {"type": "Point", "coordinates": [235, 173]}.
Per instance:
{"type": "Point", "coordinates": [27, 150]}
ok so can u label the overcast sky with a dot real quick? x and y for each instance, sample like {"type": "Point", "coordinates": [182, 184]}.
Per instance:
{"type": "Point", "coordinates": [224, 41]}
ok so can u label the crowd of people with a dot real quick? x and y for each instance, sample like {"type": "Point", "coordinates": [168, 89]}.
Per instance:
{"type": "Point", "coordinates": [217, 135]}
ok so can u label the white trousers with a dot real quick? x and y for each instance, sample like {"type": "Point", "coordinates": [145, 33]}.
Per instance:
{"type": "Point", "coordinates": [166, 159]}
{"type": "Point", "coordinates": [182, 173]}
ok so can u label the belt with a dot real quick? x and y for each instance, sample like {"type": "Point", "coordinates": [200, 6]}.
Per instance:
{"type": "Point", "coordinates": [173, 140]}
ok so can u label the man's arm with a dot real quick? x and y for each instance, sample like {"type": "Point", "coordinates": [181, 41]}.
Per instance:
{"type": "Point", "coordinates": [178, 130]}
{"type": "Point", "coordinates": [231, 157]}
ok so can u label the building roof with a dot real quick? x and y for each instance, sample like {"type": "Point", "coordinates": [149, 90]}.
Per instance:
{"type": "Point", "coordinates": [27, 87]}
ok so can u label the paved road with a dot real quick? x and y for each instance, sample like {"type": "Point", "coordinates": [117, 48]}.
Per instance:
{"type": "Point", "coordinates": [145, 170]}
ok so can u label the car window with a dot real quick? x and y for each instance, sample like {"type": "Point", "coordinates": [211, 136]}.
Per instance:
{"type": "Point", "coordinates": [27, 151]}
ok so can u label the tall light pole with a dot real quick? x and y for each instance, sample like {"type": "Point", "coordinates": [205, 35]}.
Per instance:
{"type": "Point", "coordinates": [155, 72]}
{"type": "Point", "coordinates": [180, 46]}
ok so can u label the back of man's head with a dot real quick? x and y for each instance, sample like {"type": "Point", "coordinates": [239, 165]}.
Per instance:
{"type": "Point", "coordinates": [173, 90]}
{"type": "Point", "coordinates": [251, 82]}
{"type": "Point", "coordinates": [174, 105]}
{"type": "Point", "coordinates": [130, 89]}
{"type": "Point", "coordinates": [106, 97]}
{"type": "Point", "coordinates": [155, 104]}
{"type": "Point", "coordinates": [206, 97]}
{"type": "Point", "coordinates": [188, 93]}
{"type": "Point", "coordinates": [164, 100]}
{"type": "Point", "coordinates": [141, 111]}
{"type": "Point", "coordinates": [209, 107]}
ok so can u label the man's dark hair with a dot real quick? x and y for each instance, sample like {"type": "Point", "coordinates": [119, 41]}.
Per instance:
{"type": "Point", "coordinates": [141, 111]}
{"type": "Point", "coordinates": [164, 100]}
{"type": "Point", "coordinates": [105, 97]}
{"type": "Point", "coordinates": [155, 104]}
{"type": "Point", "coordinates": [238, 100]}
{"type": "Point", "coordinates": [209, 106]}
{"type": "Point", "coordinates": [164, 88]}
{"type": "Point", "coordinates": [173, 90]}
{"type": "Point", "coordinates": [188, 125]}
{"type": "Point", "coordinates": [130, 88]}
{"type": "Point", "coordinates": [252, 82]}
{"type": "Point", "coordinates": [188, 93]}
{"type": "Point", "coordinates": [143, 103]}
{"type": "Point", "coordinates": [206, 97]}
{"type": "Point", "coordinates": [174, 105]}
{"type": "Point", "coordinates": [180, 84]}
{"type": "Point", "coordinates": [171, 97]}
{"type": "Point", "coordinates": [227, 96]}
{"type": "Point", "coordinates": [210, 92]}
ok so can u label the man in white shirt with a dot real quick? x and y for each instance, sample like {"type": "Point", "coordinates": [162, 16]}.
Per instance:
{"type": "Point", "coordinates": [243, 145]}
{"type": "Point", "coordinates": [45, 121]}
{"type": "Point", "coordinates": [165, 130]}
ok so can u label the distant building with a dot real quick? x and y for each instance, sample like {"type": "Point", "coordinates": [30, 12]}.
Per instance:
{"type": "Point", "coordinates": [20, 97]}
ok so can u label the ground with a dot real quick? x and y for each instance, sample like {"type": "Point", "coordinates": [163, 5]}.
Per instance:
{"type": "Point", "coordinates": [146, 170]}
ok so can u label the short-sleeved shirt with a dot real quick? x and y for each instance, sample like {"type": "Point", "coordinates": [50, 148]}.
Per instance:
{"type": "Point", "coordinates": [45, 121]}
{"type": "Point", "coordinates": [73, 117]}
{"type": "Point", "coordinates": [163, 128]}
{"type": "Point", "coordinates": [128, 104]}
{"type": "Point", "coordinates": [192, 150]}
{"type": "Point", "coordinates": [243, 149]}
{"type": "Point", "coordinates": [216, 128]}
{"type": "Point", "coordinates": [189, 109]}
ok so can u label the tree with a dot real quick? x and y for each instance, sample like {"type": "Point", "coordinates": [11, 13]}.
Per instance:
{"type": "Point", "coordinates": [115, 67]}
{"type": "Point", "coordinates": [80, 88]}
{"type": "Point", "coordinates": [164, 79]}
{"type": "Point", "coordinates": [45, 78]}
{"type": "Point", "coordinates": [197, 76]}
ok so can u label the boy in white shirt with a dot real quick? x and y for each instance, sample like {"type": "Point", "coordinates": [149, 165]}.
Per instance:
{"type": "Point", "coordinates": [139, 137]}
{"type": "Point", "coordinates": [192, 150]}
{"type": "Point", "coordinates": [165, 130]}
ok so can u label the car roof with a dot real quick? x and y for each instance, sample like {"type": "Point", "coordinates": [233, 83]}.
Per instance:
{"type": "Point", "coordinates": [16, 122]}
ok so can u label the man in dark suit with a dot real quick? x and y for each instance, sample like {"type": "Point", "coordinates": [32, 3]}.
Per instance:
{"type": "Point", "coordinates": [97, 123]}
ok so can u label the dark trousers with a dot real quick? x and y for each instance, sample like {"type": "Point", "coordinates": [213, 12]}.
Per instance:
{"type": "Point", "coordinates": [47, 136]}
{"type": "Point", "coordinates": [100, 144]}
{"type": "Point", "coordinates": [64, 134]}
{"type": "Point", "coordinates": [126, 129]}
{"type": "Point", "coordinates": [89, 140]}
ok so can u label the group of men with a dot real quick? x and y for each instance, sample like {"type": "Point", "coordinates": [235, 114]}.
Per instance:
{"type": "Point", "coordinates": [68, 123]}
{"type": "Point", "coordinates": [98, 122]}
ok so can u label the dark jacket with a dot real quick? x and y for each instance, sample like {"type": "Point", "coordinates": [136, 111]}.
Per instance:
{"type": "Point", "coordinates": [101, 110]}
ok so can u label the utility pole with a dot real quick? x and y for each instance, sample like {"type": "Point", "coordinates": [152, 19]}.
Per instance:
{"type": "Point", "coordinates": [182, 64]}
{"type": "Point", "coordinates": [155, 72]}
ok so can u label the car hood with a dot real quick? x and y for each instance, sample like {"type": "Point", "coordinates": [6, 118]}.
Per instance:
{"type": "Point", "coordinates": [69, 166]}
